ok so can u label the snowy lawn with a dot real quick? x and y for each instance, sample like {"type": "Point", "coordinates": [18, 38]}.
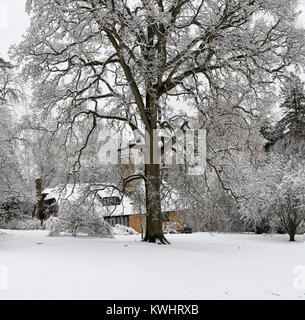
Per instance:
{"type": "Point", "coordinates": [194, 266]}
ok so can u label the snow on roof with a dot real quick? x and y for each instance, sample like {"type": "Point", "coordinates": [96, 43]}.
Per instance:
{"type": "Point", "coordinates": [48, 190]}
{"type": "Point", "coordinates": [126, 207]}
{"type": "Point", "coordinates": [78, 191]}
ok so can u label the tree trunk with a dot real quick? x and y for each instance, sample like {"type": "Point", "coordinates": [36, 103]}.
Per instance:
{"type": "Point", "coordinates": [291, 236]}
{"type": "Point", "coordinates": [154, 230]}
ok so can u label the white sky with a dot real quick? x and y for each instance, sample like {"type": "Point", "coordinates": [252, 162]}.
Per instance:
{"type": "Point", "coordinates": [14, 21]}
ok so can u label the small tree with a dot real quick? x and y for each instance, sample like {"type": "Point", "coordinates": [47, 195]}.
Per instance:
{"type": "Point", "coordinates": [289, 203]}
{"type": "Point", "coordinates": [276, 195]}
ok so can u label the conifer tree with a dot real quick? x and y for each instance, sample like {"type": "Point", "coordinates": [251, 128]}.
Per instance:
{"type": "Point", "coordinates": [293, 121]}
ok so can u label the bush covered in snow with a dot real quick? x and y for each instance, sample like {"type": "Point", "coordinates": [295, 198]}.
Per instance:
{"type": "Point", "coordinates": [48, 224]}
{"type": "Point", "coordinates": [13, 211]}
{"type": "Point", "coordinates": [123, 230]}
{"type": "Point", "coordinates": [171, 227]}
{"type": "Point", "coordinates": [25, 224]}
{"type": "Point", "coordinates": [75, 217]}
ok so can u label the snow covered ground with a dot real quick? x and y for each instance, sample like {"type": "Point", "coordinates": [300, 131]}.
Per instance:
{"type": "Point", "coordinates": [194, 266]}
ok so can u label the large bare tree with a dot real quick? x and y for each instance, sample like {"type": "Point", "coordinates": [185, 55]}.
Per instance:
{"type": "Point", "coordinates": [128, 60]}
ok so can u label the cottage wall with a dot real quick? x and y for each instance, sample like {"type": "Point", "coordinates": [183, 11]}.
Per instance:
{"type": "Point", "coordinates": [138, 221]}
{"type": "Point", "coordinates": [177, 219]}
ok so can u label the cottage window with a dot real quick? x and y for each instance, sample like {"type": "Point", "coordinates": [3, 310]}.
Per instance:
{"type": "Point", "coordinates": [111, 201]}
{"type": "Point", "coordinates": [123, 220]}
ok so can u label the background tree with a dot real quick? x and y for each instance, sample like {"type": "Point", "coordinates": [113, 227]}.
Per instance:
{"type": "Point", "coordinates": [287, 134]}
{"type": "Point", "coordinates": [131, 61]}
{"type": "Point", "coordinates": [281, 208]}
{"type": "Point", "coordinates": [10, 89]}
{"type": "Point", "coordinates": [13, 188]}
{"type": "Point", "coordinates": [293, 121]}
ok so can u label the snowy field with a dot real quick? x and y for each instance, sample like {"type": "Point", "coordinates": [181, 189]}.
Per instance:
{"type": "Point", "coordinates": [195, 266]}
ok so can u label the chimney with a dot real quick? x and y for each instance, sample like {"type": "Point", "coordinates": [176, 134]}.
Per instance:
{"type": "Point", "coordinates": [39, 203]}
